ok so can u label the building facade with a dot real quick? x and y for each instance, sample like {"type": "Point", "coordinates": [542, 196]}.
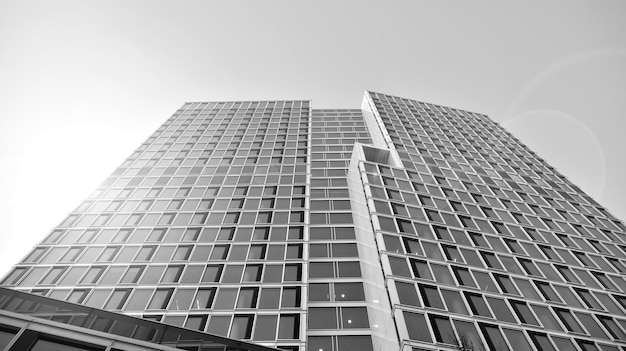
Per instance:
{"type": "Point", "coordinates": [267, 224]}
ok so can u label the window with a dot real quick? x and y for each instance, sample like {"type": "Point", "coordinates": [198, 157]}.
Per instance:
{"type": "Point", "coordinates": [454, 301]}
{"type": "Point", "coordinates": [541, 341]}
{"type": "Point", "coordinates": [417, 327]}
{"type": "Point", "coordinates": [265, 328]}
{"type": "Point", "coordinates": [612, 328]}
{"type": "Point", "coordinates": [354, 317]}
{"type": "Point", "coordinates": [420, 269]}
{"type": "Point", "coordinates": [93, 275]}
{"type": "Point", "coordinates": [242, 327]}
{"type": "Point", "coordinates": [477, 304]}
{"type": "Point", "coordinates": [291, 297]}
{"type": "Point", "coordinates": [53, 275]}
{"type": "Point", "coordinates": [442, 329]}
{"type": "Point", "coordinates": [500, 309]}
{"type": "Point", "coordinates": [506, 284]}
{"type": "Point", "coordinates": [61, 345]}
{"type": "Point", "coordinates": [6, 336]}
{"type": "Point", "coordinates": [407, 294]}
{"type": "Point", "coordinates": [322, 318]}
{"type": "Point", "coordinates": [69, 256]}
{"type": "Point", "coordinates": [196, 322]}
{"type": "Point", "coordinates": [117, 299]}
{"type": "Point", "coordinates": [160, 299]}
{"type": "Point", "coordinates": [172, 274]}
{"type": "Point", "coordinates": [349, 292]}
{"type": "Point", "coordinates": [523, 312]}
{"type": "Point", "coordinates": [204, 299]}
{"type": "Point", "coordinates": [252, 273]}
{"type": "Point", "coordinates": [588, 299]}
{"type": "Point", "coordinates": [247, 297]}
{"type": "Point", "coordinates": [546, 318]}
{"type": "Point", "coordinates": [494, 337]}
{"type": "Point", "coordinates": [108, 254]}
{"type": "Point", "coordinates": [289, 326]}
{"type": "Point", "coordinates": [548, 293]}
{"type": "Point", "coordinates": [132, 274]}
{"type": "Point", "coordinates": [293, 272]}
{"type": "Point", "coordinates": [430, 296]}
{"type": "Point", "coordinates": [77, 296]}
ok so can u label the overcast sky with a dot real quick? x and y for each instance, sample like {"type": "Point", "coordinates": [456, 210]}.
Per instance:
{"type": "Point", "coordinates": [83, 83]}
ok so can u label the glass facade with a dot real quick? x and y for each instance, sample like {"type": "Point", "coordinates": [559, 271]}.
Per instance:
{"type": "Point", "coordinates": [400, 225]}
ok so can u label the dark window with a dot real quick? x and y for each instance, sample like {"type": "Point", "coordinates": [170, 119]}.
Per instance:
{"type": "Point", "coordinates": [430, 296]}
{"type": "Point", "coordinates": [477, 304]}
{"type": "Point", "coordinates": [160, 299]}
{"type": "Point", "coordinates": [442, 329]}
{"type": "Point", "coordinates": [289, 326]}
{"type": "Point", "coordinates": [416, 325]}
{"type": "Point", "coordinates": [524, 313]}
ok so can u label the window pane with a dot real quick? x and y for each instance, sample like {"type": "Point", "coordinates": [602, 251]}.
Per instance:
{"type": "Point", "coordinates": [160, 299]}
{"type": "Point", "coordinates": [5, 337]}
{"type": "Point", "coordinates": [478, 305]}
{"type": "Point", "coordinates": [518, 340]}
{"type": "Point", "coordinates": [443, 329]}
{"type": "Point", "coordinates": [172, 274]}
{"type": "Point", "coordinates": [204, 299]}
{"type": "Point", "coordinates": [196, 322]}
{"type": "Point", "coordinates": [349, 292]}
{"type": "Point", "coordinates": [226, 299]}
{"type": "Point", "coordinates": [219, 325]}
{"type": "Point", "coordinates": [454, 301]}
{"type": "Point", "coordinates": [416, 325]}
{"type": "Point", "coordinates": [97, 298]}
{"type": "Point", "coordinates": [182, 300]}
{"type": "Point", "coordinates": [546, 318]}
{"type": "Point", "coordinates": [591, 325]}
{"type": "Point", "coordinates": [500, 309]}
{"type": "Point", "coordinates": [269, 298]}
{"type": "Point", "coordinates": [542, 342]}
{"type": "Point", "coordinates": [354, 342]}
{"type": "Point", "coordinates": [139, 300]}
{"type": "Point", "coordinates": [354, 317]}
{"type": "Point", "coordinates": [468, 336]}
{"type": "Point", "coordinates": [289, 327]}
{"type": "Point", "coordinates": [117, 300]}
{"type": "Point", "coordinates": [212, 273]}
{"type": "Point", "coordinates": [349, 269]}
{"type": "Point", "coordinates": [399, 267]}
{"type": "Point", "coordinates": [247, 297]}
{"type": "Point", "coordinates": [319, 292]}
{"type": "Point", "coordinates": [430, 296]}
{"type": "Point", "coordinates": [45, 345]}
{"type": "Point", "coordinates": [265, 328]}
{"type": "Point", "coordinates": [407, 294]}
{"type": "Point", "coordinates": [273, 274]}
{"type": "Point", "coordinates": [242, 327]}
{"type": "Point", "coordinates": [324, 343]}
{"type": "Point", "coordinates": [494, 338]}
{"type": "Point", "coordinates": [232, 274]}
{"type": "Point", "coordinates": [291, 297]}
{"type": "Point", "coordinates": [322, 318]}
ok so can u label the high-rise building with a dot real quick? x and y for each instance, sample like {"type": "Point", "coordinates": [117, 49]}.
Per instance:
{"type": "Point", "coordinates": [267, 224]}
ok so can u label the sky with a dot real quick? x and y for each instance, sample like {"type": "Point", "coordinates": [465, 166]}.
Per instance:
{"type": "Point", "coordinates": [83, 83]}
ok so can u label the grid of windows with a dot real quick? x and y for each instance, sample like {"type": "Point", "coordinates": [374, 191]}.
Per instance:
{"type": "Point", "coordinates": [336, 298]}
{"type": "Point", "coordinates": [475, 225]}
{"type": "Point", "coordinates": [237, 219]}
{"type": "Point", "coordinates": [206, 217]}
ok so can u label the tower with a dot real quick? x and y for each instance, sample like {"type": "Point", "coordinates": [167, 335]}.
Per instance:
{"type": "Point", "coordinates": [401, 225]}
